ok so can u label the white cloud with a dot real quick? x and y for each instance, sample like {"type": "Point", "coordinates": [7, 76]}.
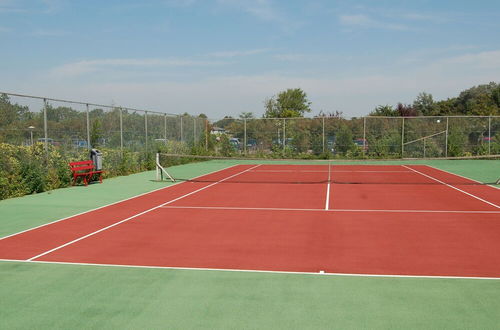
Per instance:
{"type": "Point", "coordinates": [364, 21]}
{"type": "Point", "coordinates": [88, 66]}
{"type": "Point", "coordinates": [290, 57]}
{"type": "Point", "coordinates": [217, 96]}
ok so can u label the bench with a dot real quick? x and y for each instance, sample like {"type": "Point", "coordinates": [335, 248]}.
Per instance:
{"type": "Point", "coordinates": [84, 169]}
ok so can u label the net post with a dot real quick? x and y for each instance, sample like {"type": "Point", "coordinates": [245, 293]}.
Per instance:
{"type": "Point", "coordinates": [87, 114]}
{"type": "Point", "coordinates": [446, 139]}
{"type": "Point", "coordinates": [403, 137]}
{"type": "Point", "coordinates": [121, 131]}
{"type": "Point", "coordinates": [245, 135]}
{"type": "Point", "coordinates": [157, 160]}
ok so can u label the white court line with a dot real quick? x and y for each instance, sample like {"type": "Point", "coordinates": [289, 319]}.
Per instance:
{"type": "Point", "coordinates": [230, 208]}
{"type": "Point", "coordinates": [136, 215]}
{"type": "Point", "coordinates": [449, 185]}
{"type": "Point", "coordinates": [464, 177]}
{"type": "Point", "coordinates": [123, 200]}
{"type": "Point", "coordinates": [254, 270]}
{"type": "Point", "coordinates": [327, 202]}
{"type": "Point", "coordinates": [334, 171]}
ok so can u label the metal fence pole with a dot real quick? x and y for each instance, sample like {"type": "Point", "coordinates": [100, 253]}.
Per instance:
{"type": "Point", "coordinates": [121, 131]}
{"type": "Point", "coordinates": [446, 139]}
{"type": "Point", "coordinates": [88, 127]}
{"type": "Point", "coordinates": [45, 130]}
{"type": "Point", "coordinates": [364, 134]}
{"type": "Point", "coordinates": [194, 131]}
{"type": "Point", "coordinates": [403, 138]}
{"type": "Point", "coordinates": [182, 138]}
{"type": "Point", "coordinates": [146, 128]}
{"type": "Point", "coordinates": [489, 135]}
{"type": "Point", "coordinates": [245, 135]}
{"type": "Point", "coordinates": [323, 132]}
{"type": "Point", "coordinates": [284, 135]}
{"type": "Point", "coordinates": [165, 128]}
{"type": "Point", "coordinates": [206, 134]}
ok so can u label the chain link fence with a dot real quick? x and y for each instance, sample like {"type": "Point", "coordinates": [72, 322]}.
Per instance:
{"type": "Point", "coordinates": [71, 126]}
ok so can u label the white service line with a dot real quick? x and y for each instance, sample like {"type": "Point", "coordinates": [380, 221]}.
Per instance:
{"type": "Point", "coordinates": [327, 202]}
{"type": "Point", "coordinates": [449, 185]}
{"type": "Point", "coordinates": [123, 200]}
{"type": "Point", "coordinates": [230, 208]}
{"type": "Point", "coordinates": [136, 215]}
{"type": "Point", "coordinates": [252, 270]}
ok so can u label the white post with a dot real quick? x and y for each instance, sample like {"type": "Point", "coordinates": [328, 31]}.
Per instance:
{"type": "Point", "coordinates": [364, 134]}
{"type": "Point", "coordinates": [45, 129]}
{"type": "Point", "coordinates": [284, 135]}
{"type": "Point", "coordinates": [146, 128]}
{"type": "Point", "coordinates": [157, 168]}
{"type": "Point", "coordinates": [165, 128]}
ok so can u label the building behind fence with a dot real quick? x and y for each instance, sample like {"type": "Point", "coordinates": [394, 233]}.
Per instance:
{"type": "Point", "coordinates": [72, 126]}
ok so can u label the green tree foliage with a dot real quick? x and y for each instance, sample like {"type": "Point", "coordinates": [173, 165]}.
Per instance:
{"type": "Point", "coordinates": [384, 110]}
{"type": "Point", "coordinates": [424, 104]}
{"type": "Point", "coordinates": [246, 115]}
{"type": "Point", "coordinates": [344, 140]}
{"type": "Point", "coordinates": [96, 133]}
{"type": "Point", "coordinates": [287, 104]}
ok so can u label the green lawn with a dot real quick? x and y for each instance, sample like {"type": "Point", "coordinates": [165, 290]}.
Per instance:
{"type": "Point", "coordinates": [55, 296]}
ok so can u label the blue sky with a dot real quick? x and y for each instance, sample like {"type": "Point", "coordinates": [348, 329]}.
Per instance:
{"type": "Point", "coordinates": [222, 57]}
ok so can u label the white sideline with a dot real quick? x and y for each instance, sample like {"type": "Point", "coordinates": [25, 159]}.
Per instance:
{"type": "Point", "coordinates": [229, 208]}
{"type": "Point", "coordinates": [458, 189]}
{"type": "Point", "coordinates": [334, 171]}
{"type": "Point", "coordinates": [255, 270]}
{"type": "Point", "coordinates": [136, 215]}
{"type": "Point", "coordinates": [100, 207]}
{"type": "Point", "coordinates": [464, 177]}
{"type": "Point", "coordinates": [327, 202]}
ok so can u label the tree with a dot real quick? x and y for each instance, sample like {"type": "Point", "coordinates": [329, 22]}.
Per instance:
{"type": "Point", "coordinates": [247, 115]}
{"type": "Point", "coordinates": [95, 133]}
{"type": "Point", "coordinates": [344, 141]}
{"type": "Point", "coordinates": [424, 104]}
{"type": "Point", "coordinates": [384, 111]}
{"type": "Point", "coordinates": [406, 110]}
{"type": "Point", "coordinates": [287, 104]}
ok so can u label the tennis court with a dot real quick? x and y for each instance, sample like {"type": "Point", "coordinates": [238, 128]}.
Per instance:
{"type": "Point", "coordinates": [390, 220]}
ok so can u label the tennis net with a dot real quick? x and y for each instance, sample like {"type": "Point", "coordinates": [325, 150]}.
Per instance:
{"type": "Point", "coordinates": [183, 167]}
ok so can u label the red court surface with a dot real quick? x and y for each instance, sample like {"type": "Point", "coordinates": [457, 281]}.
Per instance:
{"type": "Point", "coordinates": [351, 219]}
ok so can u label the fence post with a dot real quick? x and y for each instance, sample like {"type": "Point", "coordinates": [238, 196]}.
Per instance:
{"type": "Point", "coordinates": [121, 131]}
{"type": "Point", "coordinates": [284, 135]}
{"type": "Point", "coordinates": [323, 132]}
{"type": "Point", "coordinates": [146, 128]}
{"type": "Point", "coordinates": [194, 130]}
{"type": "Point", "coordinates": [364, 134]}
{"type": "Point", "coordinates": [182, 138]}
{"type": "Point", "coordinates": [245, 135]}
{"type": "Point", "coordinates": [45, 130]}
{"type": "Point", "coordinates": [446, 139]}
{"type": "Point", "coordinates": [88, 127]}
{"type": "Point", "coordinates": [489, 135]}
{"type": "Point", "coordinates": [403, 138]}
{"type": "Point", "coordinates": [165, 128]}
{"type": "Point", "coordinates": [206, 134]}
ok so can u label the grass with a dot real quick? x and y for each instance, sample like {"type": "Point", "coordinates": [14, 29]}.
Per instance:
{"type": "Point", "coordinates": [35, 295]}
